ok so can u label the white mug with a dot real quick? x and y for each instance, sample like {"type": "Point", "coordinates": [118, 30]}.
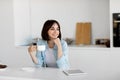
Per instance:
{"type": "Point", "coordinates": [40, 47]}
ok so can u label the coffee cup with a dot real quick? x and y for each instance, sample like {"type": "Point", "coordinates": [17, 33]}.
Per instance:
{"type": "Point", "coordinates": [40, 47]}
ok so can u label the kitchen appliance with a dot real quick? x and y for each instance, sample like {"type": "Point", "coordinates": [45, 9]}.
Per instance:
{"type": "Point", "coordinates": [116, 29]}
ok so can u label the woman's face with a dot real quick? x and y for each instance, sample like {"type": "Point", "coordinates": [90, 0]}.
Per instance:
{"type": "Point", "coordinates": [53, 32]}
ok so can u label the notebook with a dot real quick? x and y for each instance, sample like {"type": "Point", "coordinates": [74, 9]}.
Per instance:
{"type": "Point", "coordinates": [73, 72]}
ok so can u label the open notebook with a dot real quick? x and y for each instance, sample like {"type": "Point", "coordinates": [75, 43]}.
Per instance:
{"type": "Point", "coordinates": [73, 72]}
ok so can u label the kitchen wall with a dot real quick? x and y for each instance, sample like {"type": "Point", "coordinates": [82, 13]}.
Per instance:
{"type": "Point", "coordinates": [31, 15]}
{"type": "Point", "coordinates": [99, 63]}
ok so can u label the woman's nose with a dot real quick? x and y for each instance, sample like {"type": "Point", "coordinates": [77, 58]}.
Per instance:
{"type": "Point", "coordinates": [55, 31]}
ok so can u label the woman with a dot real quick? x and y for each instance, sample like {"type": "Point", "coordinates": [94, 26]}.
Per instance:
{"type": "Point", "coordinates": [56, 49]}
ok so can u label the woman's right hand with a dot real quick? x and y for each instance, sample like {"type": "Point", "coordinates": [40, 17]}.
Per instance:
{"type": "Point", "coordinates": [32, 49]}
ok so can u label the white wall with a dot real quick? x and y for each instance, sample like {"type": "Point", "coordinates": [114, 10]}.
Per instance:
{"type": "Point", "coordinates": [67, 13]}
{"type": "Point", "coordinates": [100, 64]}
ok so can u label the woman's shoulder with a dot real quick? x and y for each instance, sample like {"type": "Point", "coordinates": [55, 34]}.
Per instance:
{"type": "Point", "coordinates": [63, 42]}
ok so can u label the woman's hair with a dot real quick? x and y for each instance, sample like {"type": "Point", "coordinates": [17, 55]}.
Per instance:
{"type": "Point", "coordinates": [47, 25]}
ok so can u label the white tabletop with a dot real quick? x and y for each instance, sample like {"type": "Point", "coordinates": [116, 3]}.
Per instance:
{"type": "Point", "coordinates": [37, 74]}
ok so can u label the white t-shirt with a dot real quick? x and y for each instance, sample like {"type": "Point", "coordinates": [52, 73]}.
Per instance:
{"type": "Point", "coordinates": [50, 58]}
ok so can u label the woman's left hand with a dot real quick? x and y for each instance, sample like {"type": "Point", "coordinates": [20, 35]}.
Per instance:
{"type": "Point", "coordinates": [57, 42]}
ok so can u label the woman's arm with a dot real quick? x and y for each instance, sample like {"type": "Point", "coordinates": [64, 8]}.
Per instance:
{"type": "Point", "coordinates": [32, 51]}
{"type": "Point", "coordinates": [58, 43]}
{"type": "Point", "coordinates": [62, 61]}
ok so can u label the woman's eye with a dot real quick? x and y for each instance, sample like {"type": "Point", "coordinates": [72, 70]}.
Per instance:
{"type": "Point", "coordinates": [51, 28]}
{"type": "Point", "coordinates": [58, 29]}
{"type": "Point", "coordinates": [54, 29]}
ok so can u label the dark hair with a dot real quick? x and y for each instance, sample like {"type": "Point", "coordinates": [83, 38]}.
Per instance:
{"type": "Point", "coordinates": [47, 25]}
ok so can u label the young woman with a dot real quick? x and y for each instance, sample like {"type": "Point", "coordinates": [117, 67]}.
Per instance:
{"type": "Point", "coordinates": [56, 49]}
